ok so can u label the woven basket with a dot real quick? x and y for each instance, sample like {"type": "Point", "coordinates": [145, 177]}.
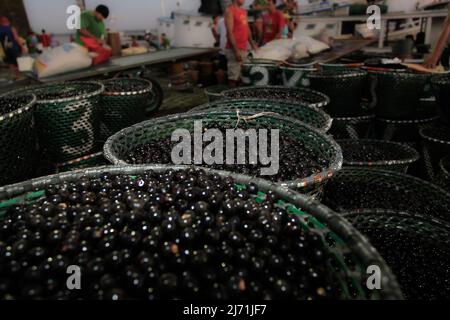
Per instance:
{"type": "Point", "coordinates": [362, 188]}
{"type": "Point", "coordinates": [121, 109]}
{"type": "Point", "coordinates": [214, 93]}
{"type": "Point", "coordinates": [92, 160]}
{"type": "Point", "coordinates": [122, 143]}
{"type": "Point", "coordinates": [436, 145]}
{"type": "Point", "coordinates": [315, 117]}
{"type": "Point", "coordinates": [67, 119]}
{"type": "Point", "coordinates": [396, 95]}
{"type": "Point", "coordinates": [360, 127]}
{"type": "Point", "coordinates": [17, 139]}
{"type": "Point", "coordinates": [390, 155]}
{"type": "Point", "coordinates": [350, 253]}
{"type": "Point", "coordinates": [260, 73]}
{"type": "Point", "coordinates": [293, 77]}
{"type": "Point", "coordinates": [441, 88]}
{"type": "Point", "coordinates": [416, 247]}
{"type": "Point", "coordinates": [277, 93]}
{"type": "Point", "coordinates": [345, 89]}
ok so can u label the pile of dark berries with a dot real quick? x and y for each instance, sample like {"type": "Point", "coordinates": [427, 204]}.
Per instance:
{"type": "Point", "coordinates": [10, 103]}
{"type": "Point", "coordinates": [296, 160]}
{"type": "Point", "coordinates": [172, 235]}
{"type": "Point", "coordinates": [303, 96]}
{"type": "Point", "coordinates": [125, 85]}
{"type": "Point", "coordinates": [55, 92]}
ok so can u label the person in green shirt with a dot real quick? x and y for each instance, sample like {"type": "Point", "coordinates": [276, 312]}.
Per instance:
{"type": "Point", "coordinates": [92, 25]}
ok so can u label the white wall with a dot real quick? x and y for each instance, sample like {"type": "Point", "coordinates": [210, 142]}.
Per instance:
{"type": "Point", "coordinates": [48, 14]}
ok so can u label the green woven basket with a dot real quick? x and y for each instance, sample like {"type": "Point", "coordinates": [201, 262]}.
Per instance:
{"type": "Point", "coordinates": [315, 117]}
{"type": "Point", "coordinates": [396, 95]}
{"type": "Point", "coordinates": [350, 253]}
{"type": "Point", "coordinates": [416, 248]}
{"type": "Point", "coordinates": [345, 88]}
{"type": "Point", "coordinates": [355, 189]}
{"type": "Point", "coordinates": [67, 119]}
{"type": "Point", "coordinates": [294, 77]}
{"type": "Point", "coordinates": [260, 73]}
{"type": "Point", "coordinates": [360, 127]}
{"type": "Point", "coordinates": [214, 93]}
{"type": "Point", "coordinates": [378, 154]}
{"type": "Point", "coordinates": [124, 103]}
{"type": "Point", "coordinates": [435, 146]}
{"type": "Point", "coordinates": [444, 166]}
{"type": "Point", "coordinates": [122, 143]}
{"type": "Point", "coordinates": [92, 160]}
{"type": "Point", "coordinates": [441, 88]}
{"type": "Point", "coordinates": [17, 138]}
{"type": "Point", "coordinates": [278, 93]}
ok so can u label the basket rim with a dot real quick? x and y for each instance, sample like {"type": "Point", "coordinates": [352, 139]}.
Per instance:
{"type": "Point", "coordinates": [64, 83]}
{"type": "Point", "coordinates": [307, 68]}
{"type": "Point", "coordinates": [441, 79]}
{"type": "Point", "coordinates": [325, 174]}
{"type": "Point", "coordinates": [209, 106]}
{"type": "Point", "coordinates": [413, 154]}
{"type": "Point", "coordinates": [414, 121]}
{"type": "Point", "coordinates": [20, 110]}
{"type": "Point", "coordinates": [426, 137]}
{"type": "Point", "coordinates": [282, 88]}
{"type": "Point", "coordinates": [338, 74]}
{"type": "Point", "coordinates": [399, 73]}
{"type": "Point", "coordinates": [263, 64]}
{"type": "Point", "coordinates": [445, 169]}
{"type": "Point", "coordinates": [370, 116]}
{"type": "Point", "coordinates": [127, 93]}
{"type": "Point", "coordinates": [354, 240]}
{"type": "Point", "coordinates": [397, 176]}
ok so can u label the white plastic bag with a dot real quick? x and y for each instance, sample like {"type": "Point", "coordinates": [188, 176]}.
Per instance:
{"type": "Point", "coordinates": [66, 58]}
{"type": "Point", "coordinates": [314, 46]}
{"type": "Point", "coordinates": [272, 53]}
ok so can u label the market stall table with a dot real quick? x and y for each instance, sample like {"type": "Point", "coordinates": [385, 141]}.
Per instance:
{"type": "Point", "coordinates": [116, 65]}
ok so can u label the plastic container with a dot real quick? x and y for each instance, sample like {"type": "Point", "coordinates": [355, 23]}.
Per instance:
{"type": "Point", "coordinates": [441, 88]}
{"type": "Point", "coordinates": [296, 77]}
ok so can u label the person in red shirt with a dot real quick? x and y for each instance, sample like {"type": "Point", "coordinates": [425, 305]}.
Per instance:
{"type": "Point", "coordinates": [45, 39]}
{"type": "Point", "coordinates": [274, 23]}
{"type": "Point", "coordinates": [239, 36]}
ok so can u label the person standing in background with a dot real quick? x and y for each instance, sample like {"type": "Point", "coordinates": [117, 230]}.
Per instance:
{"type": "Point", "coordinates": [274, 23]}
{"type": "Point", "coordinates": [238, 36]}
{"type": "Point", "coordinates": [442, 50]}
{"type": "Point", "coordinates": [45, 39]}
{"type": "Point", "coordinates": [10, 42]}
